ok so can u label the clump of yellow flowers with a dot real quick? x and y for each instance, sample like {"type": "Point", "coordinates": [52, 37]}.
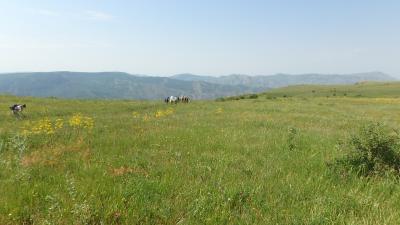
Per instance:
{"type": "Point", "coordinates": [80, 121]}
{"type": "Point", "coordinates": [43, 126]}
{"type": "Point", "coordinates": [49, 127]}
{"type": "Point", "coordinates": [158, 114]}
{"type": "Point", "coordinates": [162, 113]}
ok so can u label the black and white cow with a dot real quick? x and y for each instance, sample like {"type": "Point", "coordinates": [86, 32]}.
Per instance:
{"type": "Point", "coordinates": [174, 99]}
{"type": "Point", "coordinates": [17, 109]}
{"type": "Point", "coordinates": [171, 99]}
{"type": "Point", "coordinates": [184, 99]}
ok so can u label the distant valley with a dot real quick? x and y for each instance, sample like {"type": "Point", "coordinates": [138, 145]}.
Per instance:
{"type": "Point", "coordinates": [118, 85]}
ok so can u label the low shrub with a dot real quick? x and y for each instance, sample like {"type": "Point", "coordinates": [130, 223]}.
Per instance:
{"type": "Point", "coordinates": [253, 96]}
{"type": "Point", "coordinates": [374, 150]}
{"type": "Point", "coordinates": [239, 97]}
{"type": "Point", "coordinates": [291, 141]}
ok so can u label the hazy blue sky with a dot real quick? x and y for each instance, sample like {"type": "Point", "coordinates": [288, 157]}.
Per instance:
{"type": "Point", "coordinates": [209, 37]}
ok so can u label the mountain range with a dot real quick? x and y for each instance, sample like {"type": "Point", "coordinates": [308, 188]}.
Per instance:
{"type": "Point", "coordinates": [113, 85]}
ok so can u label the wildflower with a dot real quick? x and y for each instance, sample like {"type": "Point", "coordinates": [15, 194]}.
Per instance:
{"type": "Point", "coordinates": [169, 111]}
{"type": "Point", "coordinates": [219, 110]}
{"type": "Point", "coordinates": [88, 122]}
{"type": "Point", "coordinates": [78, 120]}
{"type": "Point", "coordinates": [47, 126]}
{"type": "Point", "coordinates": [44, 126]}
{"type": "Point", "coordinates": [59, 123]}
{"type": "Point", "coordinates": [135, 114]}
{"type": "Point", "coordinates": [159, 114]}
{"type": "Point", "coordinates": [146, 118]}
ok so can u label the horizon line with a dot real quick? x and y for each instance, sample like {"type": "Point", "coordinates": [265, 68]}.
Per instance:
{"type": "Point", "coordinates": [202, 75]}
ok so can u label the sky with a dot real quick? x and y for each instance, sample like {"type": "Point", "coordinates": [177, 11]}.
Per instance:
{"type": "Point", "coordinates": [205, 37]}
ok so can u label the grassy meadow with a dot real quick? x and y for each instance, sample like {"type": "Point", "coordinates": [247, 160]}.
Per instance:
{"type": "Point", "coordinates": [253, 161]}
{"type": "Point", "coordinates": [361, 89]}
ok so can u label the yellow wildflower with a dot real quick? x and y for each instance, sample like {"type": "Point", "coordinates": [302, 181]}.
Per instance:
{"type": "Point", "coordinates": [159, 114]}
{"type": "Point", "coordinates": [135, 114]}
{"type": "Point", "coordinates": [146, 118]}
{"type": "Point", "coordinates": [169, 111]}
{"type": "Point", "coordinates": [78, 120]}
{"type": "Point", "coordinates": [59, 123]}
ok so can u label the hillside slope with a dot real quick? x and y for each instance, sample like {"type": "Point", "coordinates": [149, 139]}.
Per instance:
{"type": "Point", "coordinates": [362, 89]}
{"type": "Point", "coordinates": [282, 80]}
{"type": "Point", "coordinates": [110, 85]}
{"type": "Point", "coordinates": [114, 85]}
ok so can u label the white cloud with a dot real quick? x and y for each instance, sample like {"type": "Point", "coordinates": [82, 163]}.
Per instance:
{"type": "Point", "coordinates": [97, 15]}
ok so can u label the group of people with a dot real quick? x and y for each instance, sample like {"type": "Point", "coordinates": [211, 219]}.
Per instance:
{"type": "Point", "coordinates": [174, 99]}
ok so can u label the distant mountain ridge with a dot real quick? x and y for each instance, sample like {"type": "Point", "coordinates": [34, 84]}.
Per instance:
{"type": "Point", "coordinates": [109, 85]}
{"type": "Point", "coordinates": [113, 85]}
{"type": "Point", "coordinates": [282, 80]}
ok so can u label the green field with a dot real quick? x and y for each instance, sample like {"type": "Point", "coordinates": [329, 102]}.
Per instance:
{"type": "Point", "coordinates": [362, 89]}
{"type": "Point", "coordinates": [253, 161]}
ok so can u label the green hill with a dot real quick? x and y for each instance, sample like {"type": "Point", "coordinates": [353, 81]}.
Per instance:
{"type": "Point", "coordinates": [361, 89]}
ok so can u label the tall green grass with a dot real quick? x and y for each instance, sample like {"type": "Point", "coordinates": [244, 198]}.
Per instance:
{"type": "Point", "coordinates": [254, 161]}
